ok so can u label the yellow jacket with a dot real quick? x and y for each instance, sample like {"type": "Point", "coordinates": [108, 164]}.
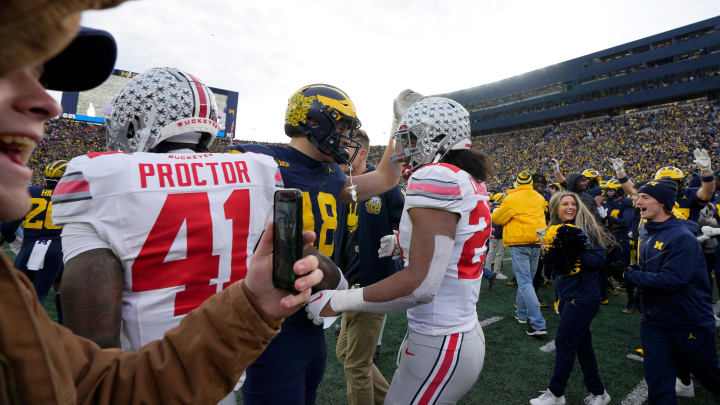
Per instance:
{"type": "Point", "coordinates": [521, 214]}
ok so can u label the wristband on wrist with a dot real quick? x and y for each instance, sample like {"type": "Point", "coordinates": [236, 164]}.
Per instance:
{"type": "Point", "coordinates": [707, 179]}
{"type": "Point", "coordinates": [623, 180]}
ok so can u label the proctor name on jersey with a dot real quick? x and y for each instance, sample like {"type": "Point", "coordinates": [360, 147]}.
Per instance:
{"type": "Point", "coordinates": [160, 175]}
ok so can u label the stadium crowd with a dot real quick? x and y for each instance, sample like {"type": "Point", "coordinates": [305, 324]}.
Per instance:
{"type": "Point", "coordinates": [645, 140]}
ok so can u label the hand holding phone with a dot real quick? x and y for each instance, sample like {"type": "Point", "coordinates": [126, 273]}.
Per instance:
{"type": "Point", "coordinates": [287, 237]}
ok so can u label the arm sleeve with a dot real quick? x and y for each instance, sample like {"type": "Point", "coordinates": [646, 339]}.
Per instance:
{"type": "Point", "coordinates": [7, 230]}
{"type": "Point", "coordinates": [396, 201]}
{"type": "Point", "coordinates": [79, 237]}
{"type": "Point", "coordinates": [593, 259]}
{"type": "Point", "coordinates": [673, 273]}
{"type": "Point", "coordinates": [625, 217]}
{"type": "Point", "coordinates": [434, 186]}
{"type": "Point", "coordinates": [502, 214]}
{"type": "Point", "coordinates": [199, 361]}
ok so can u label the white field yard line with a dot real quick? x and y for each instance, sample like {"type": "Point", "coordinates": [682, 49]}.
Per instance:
{"type": "Point", "coordinates": [634, 357]}
{"type": "Point", "coordinates": [548, 347]}
{"type": "Point", "coordinates": [638, 395]}
{"type": "Point", "coordinates": [490, 321]}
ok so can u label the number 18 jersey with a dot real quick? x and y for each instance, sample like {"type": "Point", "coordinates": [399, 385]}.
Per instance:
{"type": "Point", "coordinates": [448, 188]}
{"type": "Point", "coordinates": [183, 225]}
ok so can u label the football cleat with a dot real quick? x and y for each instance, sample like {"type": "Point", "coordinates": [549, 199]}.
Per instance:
{"type": "Point", "coordinates": [628, 309]}
{"type": "Point", "coordinates": [605, 301]}
{"type": "Point", "coordinates": [640, 352]}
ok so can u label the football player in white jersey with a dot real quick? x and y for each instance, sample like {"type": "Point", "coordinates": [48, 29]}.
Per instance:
{"type": "Point", "coordinates": [149, 236]}
{"type": "Point", "coordinates": [443, 230]}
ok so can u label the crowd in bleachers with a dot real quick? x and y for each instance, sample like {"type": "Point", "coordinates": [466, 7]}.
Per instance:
{"type": "Point", "coordinates": [65, 139]}
{"type": "Point", "coordinates": [645, 140]}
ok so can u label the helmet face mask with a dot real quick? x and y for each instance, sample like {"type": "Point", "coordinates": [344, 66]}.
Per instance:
{"type": "Point", "coordinates": [430, 128]}
{"type": "Point", "coordinates": [160, 105]}
{"type": "Point", "coordinates": [326, 116]}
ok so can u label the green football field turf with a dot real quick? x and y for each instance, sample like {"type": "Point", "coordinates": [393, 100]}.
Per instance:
{"type": "Point", "coordinates": [515, 367]}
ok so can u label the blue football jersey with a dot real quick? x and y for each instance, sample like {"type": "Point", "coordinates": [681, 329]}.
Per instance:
{"type": "Point", "coordinates": [320, 183]}
{"type": "Point", "coordinates": [38, 222]}
{"type": "Point", "coordinates": [688, 205]}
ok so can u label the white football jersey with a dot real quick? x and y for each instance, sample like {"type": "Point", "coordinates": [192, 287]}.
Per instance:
{"type": "Point", "coordinates": [446, 187]}
{"type": "Point", "coordinates": [183, 225]}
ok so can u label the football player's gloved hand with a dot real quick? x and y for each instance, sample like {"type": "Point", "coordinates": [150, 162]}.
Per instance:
{"type": "Point", "coordinates": [402, 102]}
{"type": "Point", "coordinates": [702, 238]}
{"type": "Point", "coordinates": [617, 164]}
{"type": "Point", "coordinates": [702, 159]}
{"type": "Point", "coordinates": [554, 165]}
{"type": "Point", "coordinates": [315, 305]}
{"type": "Point", "coordinates": [709, 231]}
{"type": "Point", "coordinates": [389, 246]}
{"type": "Point", "coordinates": [602, 211]}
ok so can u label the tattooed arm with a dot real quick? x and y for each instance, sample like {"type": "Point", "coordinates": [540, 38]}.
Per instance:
{"type": "Point", "coordinates": [92, 296]}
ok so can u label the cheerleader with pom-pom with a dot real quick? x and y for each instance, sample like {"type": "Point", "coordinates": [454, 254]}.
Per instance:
{"type": "Point", "coordinates": [574, 248]}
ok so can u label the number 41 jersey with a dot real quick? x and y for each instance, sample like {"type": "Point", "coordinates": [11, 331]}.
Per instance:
{"type": "Point", "coordinates": [448, 188]}
{"type": "Point", "coordinates": [183, 225]}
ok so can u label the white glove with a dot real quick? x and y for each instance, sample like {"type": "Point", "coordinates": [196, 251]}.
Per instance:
{"type": "Point", "coordinates": [617, 164]}
{"type": "Point", "coordinates": [702, 238]}
{"type": "Point", "coordinates": [402, 102]}
{"type": "Point", "coordinates": [702, 159]}
{"type": "Point", "coordinates": [315, 305]}
{"type": "Point", "coordinates": [554, 165]}
{"type": "Point", "coordinates": [710, 231]}
{"type": "Point", "coordinates": [389, 246]}
{"type": "Point", "coordinates": [602, 212]}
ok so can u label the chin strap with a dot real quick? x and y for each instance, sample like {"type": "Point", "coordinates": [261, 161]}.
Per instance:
{"type": "Point", "coordinates": [353, 187]}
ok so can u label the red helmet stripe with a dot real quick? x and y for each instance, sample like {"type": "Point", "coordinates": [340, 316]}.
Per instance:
{"type": "Point", "coordinates": [202, 96]}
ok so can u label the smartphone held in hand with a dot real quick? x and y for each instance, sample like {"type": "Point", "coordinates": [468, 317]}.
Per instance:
{"type": "Point", "coordinates": [287, 237]}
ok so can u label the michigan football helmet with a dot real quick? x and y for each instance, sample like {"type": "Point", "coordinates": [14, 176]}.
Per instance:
{"type": "Point", "coordinates": [614, 185]}
{"type": "Point", "coordinates": [670, 172]}
{"type": "Point", "coordinates": [55, 170]}
{"type": "Point", "coordinates": [327, 117]}
{"type": "Point", "coordinates": [430, 129]}
{"type": "Point", "coordinates": [162, 104]}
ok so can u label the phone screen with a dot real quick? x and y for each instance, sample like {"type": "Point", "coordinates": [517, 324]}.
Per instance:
{"type": "Point", "coordinates": [287, 237]}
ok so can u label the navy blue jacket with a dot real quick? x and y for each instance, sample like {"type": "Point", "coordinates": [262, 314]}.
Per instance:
{"type": "Point", "coordinates": [583, 284]}
{"type": "Point", "coordinates": [360, 227]}
{"type": "Point", "coordinates": [673, 277]}
{"type": "Point", "coordinates": [619, 216]}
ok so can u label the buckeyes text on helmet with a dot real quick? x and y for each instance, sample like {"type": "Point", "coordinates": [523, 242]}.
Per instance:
{"type": "Point", "coordinates": [430, 128]}
{"type": "Point", "coordinates": [162, 105]}
{"type": "Point", "coordinates": [326, 116]}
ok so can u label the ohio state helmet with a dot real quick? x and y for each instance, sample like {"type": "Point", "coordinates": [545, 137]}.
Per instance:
{"type": "Point", "coordinates": [162, 104]}
{"type": "Point", "coordinates": [430, 129]}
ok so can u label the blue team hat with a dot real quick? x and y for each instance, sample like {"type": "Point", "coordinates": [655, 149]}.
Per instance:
{"type": "Point", "coordinates": [662, 190]}
{"type": "Point", "coordinates": [85, 63]}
